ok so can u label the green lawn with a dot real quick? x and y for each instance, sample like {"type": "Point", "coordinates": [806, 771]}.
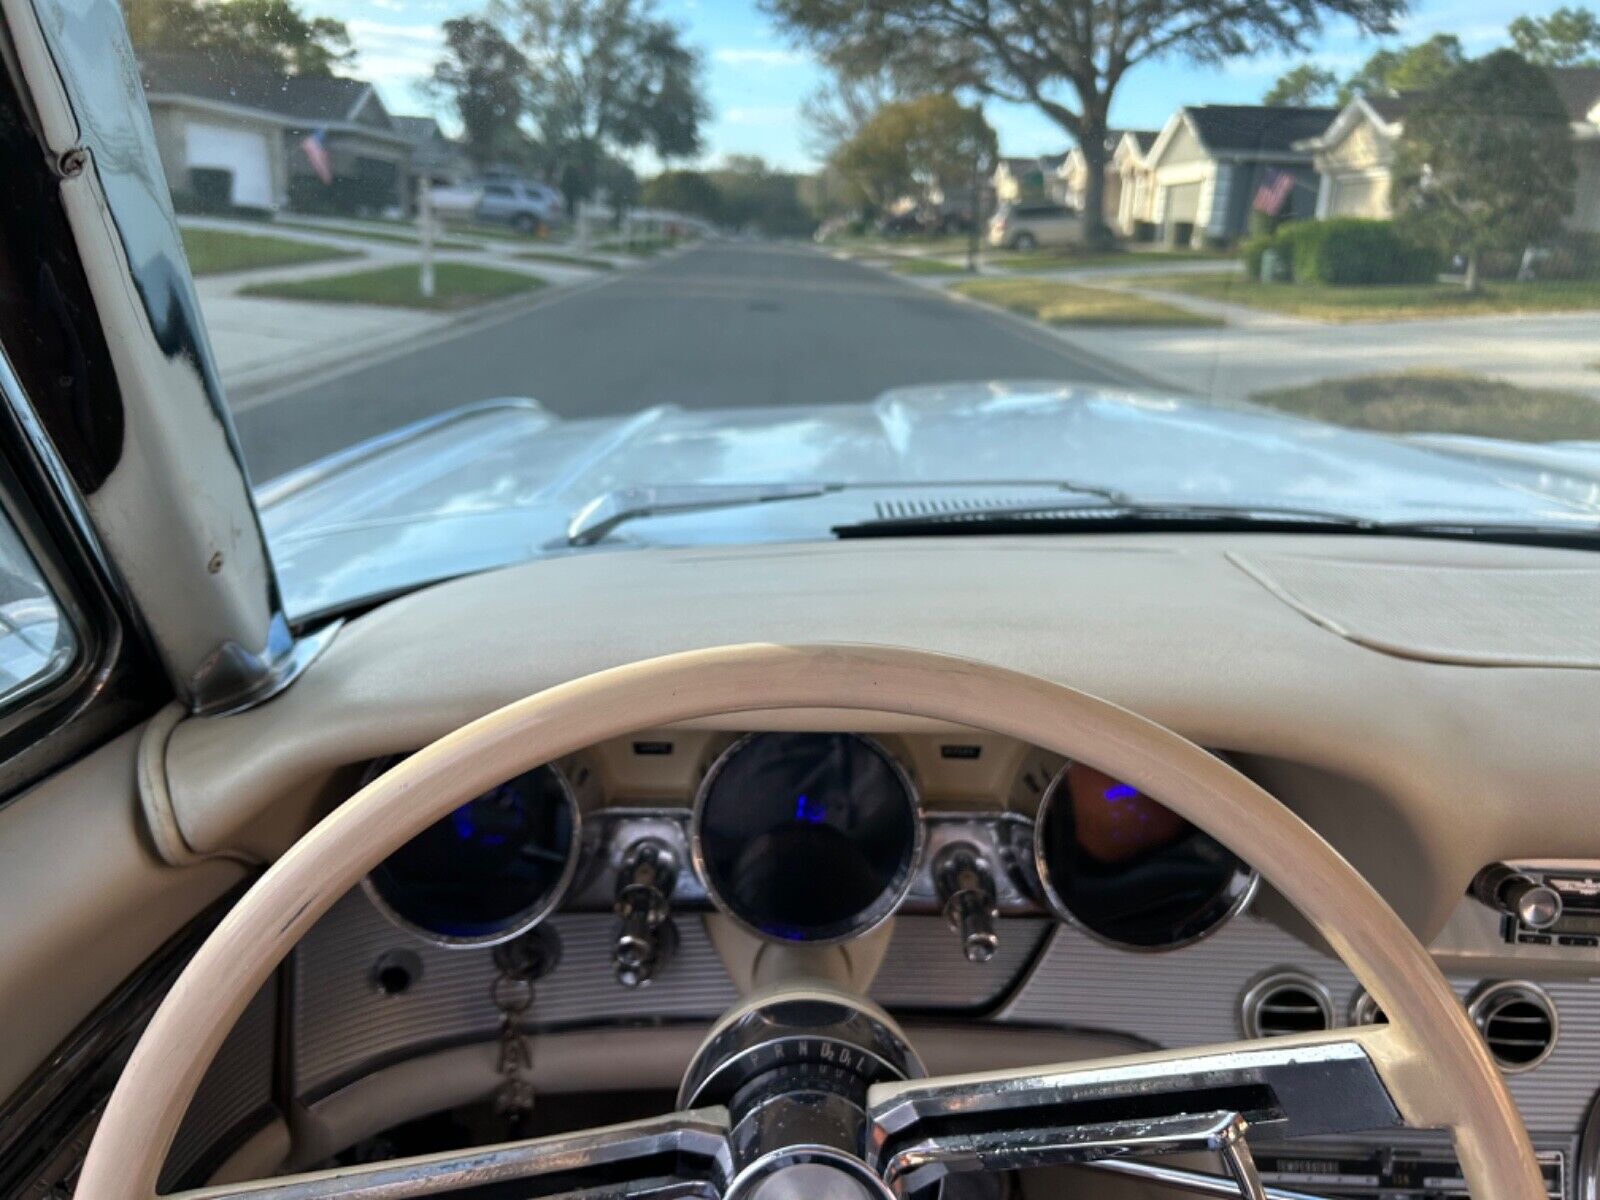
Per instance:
{"type": "Point", "coordinates": [926, 266]}
{"type": "Point", "coordinates": [215, 251]}
{"type": "Point", "coordinates": [568, 260]}
{"type": "Point", "coordinates": [1070, 304]}
{"type": "Point", "coordinates": [1068, 260]}
{"type": "Point", "coordinates": [373, 232]}
{"type": "Point", "coordinates": [1442, 402]}
{"type": "Point", "coordinates": [1386, 302]}
{"type": "Point", "coordinates": [456, 285]}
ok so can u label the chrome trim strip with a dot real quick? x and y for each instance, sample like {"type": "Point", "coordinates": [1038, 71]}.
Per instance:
{"type": "Point", "coordinates": [701, 1136]}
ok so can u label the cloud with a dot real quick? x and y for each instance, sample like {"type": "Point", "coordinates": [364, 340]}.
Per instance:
{"type": "Point", "coordinates": [395, 56]}
{"type": "Point", "coordinates": [733, 56]}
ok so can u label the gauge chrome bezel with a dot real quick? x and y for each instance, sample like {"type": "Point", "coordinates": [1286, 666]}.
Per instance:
{"type": "Point", "coordinates": [1230, 902]}
{"type": "Point", "coordinates": [519, 923]}
{"type": "Point", "coordinates": [875, 914]}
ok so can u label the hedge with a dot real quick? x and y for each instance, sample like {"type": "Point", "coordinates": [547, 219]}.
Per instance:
{"type": "Point", "coordinates": [1346, 250]}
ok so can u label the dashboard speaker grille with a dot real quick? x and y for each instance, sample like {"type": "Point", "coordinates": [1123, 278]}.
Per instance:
{"type": "Point", "coordinates": [1285, 1003]}
{"type": "Point", "coordinates": [1519, 1023]}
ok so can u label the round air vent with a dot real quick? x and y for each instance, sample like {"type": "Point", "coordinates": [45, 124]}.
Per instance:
{"type": "Point", "coordinates": [1286, 1002]}
{"type": "Point", "coordinates": [1519, 1023]}
{"type": "Point", "coordinates": [1365, 1010]}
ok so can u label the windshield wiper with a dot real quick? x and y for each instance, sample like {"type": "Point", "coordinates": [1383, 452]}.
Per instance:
{"type": "Point", "coordinates": [607, 511]}
{"type": "Point", "coordinates": [1158, 518]}
{"type": "Point", "coordinates": [610, 509]}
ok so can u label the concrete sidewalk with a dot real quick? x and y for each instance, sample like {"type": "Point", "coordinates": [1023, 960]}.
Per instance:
{"type": "Point", "coordinates": [262, 343]}
{"type": "Point", "coordinates": [1551, 350]}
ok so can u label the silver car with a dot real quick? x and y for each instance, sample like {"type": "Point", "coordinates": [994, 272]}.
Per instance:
{"type": "Point", "coordinates": [1027, 226]}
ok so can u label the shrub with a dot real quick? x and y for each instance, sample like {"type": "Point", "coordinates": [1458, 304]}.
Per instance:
{"type": "Point", "coordinates": [210, 189]}
{"type": "Point", "coordinates": [1346, 250]}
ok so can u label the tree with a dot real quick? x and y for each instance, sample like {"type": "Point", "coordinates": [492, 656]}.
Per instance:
{"type": "Point", "coordinates": [755, 197]}
{"type": "Point", "coordinates": [266, 33]}
{"type": "Point", "coordinates": [606, 77]}
{"type": "Point", "coordinates": [918, 147]}
{"type": "Point", "coordinates": [1567, 37]}
{"type": "Point", "coordinates": [689, 192]}
{"type": "Point", "coordinates": [1063, 57]}
{"type": "Point", "coordinates": [835, 111]}
{"type": "Point", "coordinates": [1307, 84]}
{"type": "Point", "coordinates": [1408, 69]}
{"type": "Point", "coordinates": [1486, 160]}
{"type": "Point", "coordinates": [482, 76]}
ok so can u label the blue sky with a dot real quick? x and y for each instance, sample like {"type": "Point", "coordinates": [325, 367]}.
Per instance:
{"type": "Point", "coordinates": [757, 78]}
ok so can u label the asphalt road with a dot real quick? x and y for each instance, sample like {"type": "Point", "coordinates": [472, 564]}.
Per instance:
{"type": "Point", "coordinates": [720, 325]}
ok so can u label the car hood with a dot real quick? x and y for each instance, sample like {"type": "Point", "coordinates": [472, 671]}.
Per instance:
{"type": "Point", "coordinates": [498, 482]}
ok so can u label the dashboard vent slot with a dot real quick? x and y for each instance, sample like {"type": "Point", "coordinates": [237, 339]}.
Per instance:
{"type": "Point", "coordinates": [1284, 1003]}
{"type": "Point", "coordinates": [911, 507]}
{"type": "Point", "coordinates": [1519, 1023]}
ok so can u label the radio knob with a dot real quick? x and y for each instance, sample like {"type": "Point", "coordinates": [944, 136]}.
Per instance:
{"type": "Point", "coordinates": [1521, 897]}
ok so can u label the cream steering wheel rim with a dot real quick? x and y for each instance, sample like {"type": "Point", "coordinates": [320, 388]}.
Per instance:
{"type": "Point", "coordinates": [1431, 1059]}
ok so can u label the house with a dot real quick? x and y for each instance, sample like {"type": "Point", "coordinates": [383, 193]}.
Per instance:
{"type": "Point", "coordinates": [1211, 161]}
{"type": "Point", "coordinates": [1355, 154]}
{"type": "Point", "coordinates": [239, 131]}
{"type": "Point", "coordinates": [436, 160]}
{"type": "Point", "coordinates": [1019, 179]}
{"type": "Point", "coordinates": [1136, 185]}
{"type": "Point", "coordinates": [1074, 175]}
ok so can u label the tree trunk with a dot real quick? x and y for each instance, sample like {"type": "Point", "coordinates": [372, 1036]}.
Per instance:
{"type": "Point", "coordinates": [1092, 140]}
{"type": "Point", "coordinates": [1472, 270]}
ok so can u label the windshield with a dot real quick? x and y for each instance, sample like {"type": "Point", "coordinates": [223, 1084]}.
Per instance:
{"type": "Point", "coordinates": [485, 282]}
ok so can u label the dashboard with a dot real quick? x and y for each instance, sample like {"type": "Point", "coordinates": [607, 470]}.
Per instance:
{"type": "Point", "coordinates": [812, 838]}
{"type": "Point", "coordinates": [1007, 894]}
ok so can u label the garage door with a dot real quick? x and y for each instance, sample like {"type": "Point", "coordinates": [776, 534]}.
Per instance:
{"type": "Point", "coordinates": [242, 151]}
{"type": "Point", "coordinates": [1183, 202]}
{"type": "Point", "coordinates": [1358, 196]}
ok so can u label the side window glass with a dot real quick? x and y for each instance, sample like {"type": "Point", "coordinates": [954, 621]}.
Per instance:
{"type": "Point", "coordinates": [37, 642]}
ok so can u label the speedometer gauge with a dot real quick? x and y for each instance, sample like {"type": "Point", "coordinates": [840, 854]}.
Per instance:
{"type": "Point", "coordinates": [1129, 870]}
{"type": "Point", "coordinates": [491, 869]}
{"type": "Point", "coordinates": [806, 837]}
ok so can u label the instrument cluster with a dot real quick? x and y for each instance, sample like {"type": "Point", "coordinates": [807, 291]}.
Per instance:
{"type": "Point", "coordinates": [813, 838]}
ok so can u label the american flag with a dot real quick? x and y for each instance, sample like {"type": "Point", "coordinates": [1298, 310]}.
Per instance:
{"type": "Point", "coordinates": [317, 155]}
{"type": "Point", "coordinates": [1274, 190]}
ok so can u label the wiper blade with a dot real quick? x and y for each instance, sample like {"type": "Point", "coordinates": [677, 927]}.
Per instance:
{"type": "Point", "coordinates": [611, 509]}
{"type": "Point", "coordinates": [1181, 518]}
{"type": "Point", "coordinates": [1057, 518]}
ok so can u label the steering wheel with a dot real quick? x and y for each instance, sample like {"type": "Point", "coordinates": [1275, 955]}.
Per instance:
{"type": "Point", "coordinates": [815, 1094]}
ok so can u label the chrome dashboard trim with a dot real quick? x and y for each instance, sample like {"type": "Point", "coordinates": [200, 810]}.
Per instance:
{"type": "Point", "coordinates": [1241, 891]}
{"type": "Point", "coordinates": [870, 918]}
{"type": "Point", "coordinates": [524, 920]}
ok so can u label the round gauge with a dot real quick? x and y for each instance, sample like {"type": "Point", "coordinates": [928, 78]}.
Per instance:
{"type": "Point", "coordinates": [491, 869]}
{"type": "Point", "coordinates": [1129, 870]}
{"type": "Point", "coordinates": [806, 837]}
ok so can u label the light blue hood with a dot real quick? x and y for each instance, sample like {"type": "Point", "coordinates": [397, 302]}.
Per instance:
{"type": "Point", "coordinates": [497, 483]}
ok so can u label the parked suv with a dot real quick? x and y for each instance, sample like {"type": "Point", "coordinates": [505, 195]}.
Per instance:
{"type": "Point", "coordinates": [526, 207]}
{"type": "Point", "coordinates": [1024, 226]}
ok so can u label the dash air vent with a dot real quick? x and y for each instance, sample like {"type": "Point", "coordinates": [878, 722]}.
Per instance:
{"type": "Point", "coordinates": [1284, 1003]}
{"type": "Point", "coordinates": [1519, 1023]}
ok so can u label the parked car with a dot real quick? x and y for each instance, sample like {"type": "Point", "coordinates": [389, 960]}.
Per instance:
{"type": "Point", "coordinates": [1025, 226]}
{"type": "Point", "coordinates": [526, 207]}
{"type": "Point", "coordinates": [901, 224]}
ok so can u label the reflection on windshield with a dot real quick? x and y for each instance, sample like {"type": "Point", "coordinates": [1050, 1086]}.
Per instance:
{"type": "Point", "coordinates": [1264, 255]}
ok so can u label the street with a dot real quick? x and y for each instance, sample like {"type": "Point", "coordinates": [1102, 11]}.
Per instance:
{"type": "Point", "coordinates": [719, 325]}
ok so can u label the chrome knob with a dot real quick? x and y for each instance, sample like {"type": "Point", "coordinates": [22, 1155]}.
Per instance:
{"type": "Point", "coordinates": [1507, 890]}
{"type": "Point", "coordinates": [966, 886]}
{"type": "Point", "coordinates": [644, 910]}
